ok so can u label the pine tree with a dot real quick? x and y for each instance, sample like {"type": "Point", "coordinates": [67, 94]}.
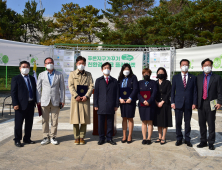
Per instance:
{"type": "Point", "coordinates": [10, 23]}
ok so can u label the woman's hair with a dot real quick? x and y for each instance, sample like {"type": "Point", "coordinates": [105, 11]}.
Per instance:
{"type": "Point", "coordinates": [147, 70]}
{"type": "Point", "coordinates": [164, 70]}
{"type": "Point", "coordinates": [121, 75]}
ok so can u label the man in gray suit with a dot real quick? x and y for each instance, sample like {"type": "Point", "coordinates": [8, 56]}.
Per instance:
{"type": "Point", "coordinates": [51, 97]}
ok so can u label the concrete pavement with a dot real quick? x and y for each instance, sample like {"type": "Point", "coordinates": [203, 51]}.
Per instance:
{"type": "Point", "coordinates": [66, 155]}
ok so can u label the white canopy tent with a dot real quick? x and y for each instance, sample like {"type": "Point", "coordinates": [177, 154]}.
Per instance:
{"type": "Point", "coordinates": [11, 53]}
{"type": "Point", "coordinates": [197, 54]}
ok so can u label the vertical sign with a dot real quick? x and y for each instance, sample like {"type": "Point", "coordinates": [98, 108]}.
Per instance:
{"type": "Point", "coordinates": [64, 63]}
{"type": "Point", "coordinates": [160, 59]}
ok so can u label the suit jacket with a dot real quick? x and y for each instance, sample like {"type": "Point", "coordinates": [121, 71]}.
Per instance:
{"type": "Point", "coordinates": [20, 93]}
{"type": "Point", "coordinates": [132, 83]}
{"type": "Point", "coordinates": [47, 92]}
{"type": "Point", "coordinates": [80, 111]}
{"type": "Point", "coordinates": [106, 97]}
{"type": "Point", "coordinates": [214, 88]}
{"type": "Point", "coordinates": [181, 95]}
{"type": "Point", "coordinates": [152, 87]}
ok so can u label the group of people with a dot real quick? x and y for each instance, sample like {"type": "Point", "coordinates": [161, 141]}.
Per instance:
{"type": "Point", "coordinates": [155, 100]}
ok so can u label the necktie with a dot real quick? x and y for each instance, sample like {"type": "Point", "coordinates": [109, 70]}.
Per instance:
{"type": "Point", "coordinates": [124, 83]}
{"type": "Point", "coordinates": [205, 88]}
{"type": "Point", "coordinates": [146, 83]}
{"type": "Point", "coordinates": [29, 88]}
{"type": "Point", "coordinates": [184, 81]}
{"type": "Point", "coordinates": [107, 80]}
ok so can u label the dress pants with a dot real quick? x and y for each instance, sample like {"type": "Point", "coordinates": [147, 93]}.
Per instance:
{"type": "Point", "coordinates": [187, 117]}
{"type": "Point", "coordinates": [101, 122]}
{"type": "Point", "coordinates": [54, 110]}
{"type": "Point", "coordinates": [20, 115]}
{"type": "Point", "coordinates": [205, 115]}
{"type": "Point", "coordinates": [79, 132]}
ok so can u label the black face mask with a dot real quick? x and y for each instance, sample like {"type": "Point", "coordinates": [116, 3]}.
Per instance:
{"type": "Point", "coordinates": [146, 77]}
{"type": "Point", "coordinates": [161, 76]}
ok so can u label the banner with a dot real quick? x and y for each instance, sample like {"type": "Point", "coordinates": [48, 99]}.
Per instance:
{"type": "Point", "coordinates": [160, 59]}
{"type": "Point", "coordinates": [94, 61]}
{"type": "Point", "coordinates": [64, 63]}
{"type": "Point", "coordinates": [197, 54]}
{"type": "Point", "coordinates": [11, 53]}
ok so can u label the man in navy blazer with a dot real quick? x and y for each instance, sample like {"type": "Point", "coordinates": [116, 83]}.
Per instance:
{"type": "Point", "coordinates": [106, 102]}
{"type": "Point", "coordinates": [23, 93]}
{"type": "Point", "coordinates": [183, 100]}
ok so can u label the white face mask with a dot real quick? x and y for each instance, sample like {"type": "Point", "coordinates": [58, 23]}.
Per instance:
{"type": "Point", "coordinates": [81, 67]}
{"type": "Point", "coordinates": [50, 66]}
{"type": "Point", "coordinates": [106, 72]}
{"type": "Point", "coordinates": [25, 71]}
{"type": "Point", "coordinates": [184, 68]}
{"type": "Point", "coordinates": [126, 72]}
{"type": "Point", "coordinates": [207, 69]}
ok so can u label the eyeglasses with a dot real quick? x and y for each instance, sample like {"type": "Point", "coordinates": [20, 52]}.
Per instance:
{"type": "Point", "coordinates": [49, 63]}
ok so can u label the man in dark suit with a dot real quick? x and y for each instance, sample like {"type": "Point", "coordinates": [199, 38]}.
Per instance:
{"type": "Point", "coordinates": [106, 102]}
{"type": "Point", "coordinates": [23, 93]}
{"type": "Point", "coordinates": [183, 100]}
{"type": "Point", "coordinates": [209, 88]}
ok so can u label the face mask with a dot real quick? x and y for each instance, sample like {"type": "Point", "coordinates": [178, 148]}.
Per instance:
{"type": "Point", "coordinates": [50, 66]}
{"type": "Point", "coordinates": [146, 77]}
{"type": "Point", "coordinates": [126, 72]}
{"type": "Point", "coordinates": [81, 67]}
{"type": "Point", "coordinates": [25, 71]}
{"type": "Point", "coordinates": [106, 72]}
{"type": "Point", "coordinates": [184, 68]}
{"type": "Point", "coordinates": [207, 69]}
{"type": "Point", "coordinates": [161, 76]}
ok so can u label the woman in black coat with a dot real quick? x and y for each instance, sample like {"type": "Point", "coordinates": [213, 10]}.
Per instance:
{"type": "Point", "coordinates": [163, 116]}
{"type": "Point", "coordinates": [147, 107]}
{"type": "Point", "coordinates": [128, 106]}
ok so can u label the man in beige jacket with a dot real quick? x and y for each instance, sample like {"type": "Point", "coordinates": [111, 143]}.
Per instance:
{"type": "Point", "coordinates": [80, 105]}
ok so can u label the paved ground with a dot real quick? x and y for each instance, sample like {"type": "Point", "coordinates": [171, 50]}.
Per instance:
{"type": "Point", "coordinates": [91, 156]}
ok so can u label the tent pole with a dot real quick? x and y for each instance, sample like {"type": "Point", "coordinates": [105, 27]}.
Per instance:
{"type": "Point", "coordinates": [6, 77]}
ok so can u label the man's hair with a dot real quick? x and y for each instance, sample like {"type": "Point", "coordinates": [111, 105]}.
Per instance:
{"type": "Point", "coordinates": [49, 58]}
{"type": "Point", "coordinates": [185, 60]}
{"type": "Point", "coordinates": [24, 62]}
{"type": "Point", "coordinates": [207, 59]}
{"type": "Point", "coordinates": [106, 63]}
{"type": "Point", "coordinates": [81, 58]}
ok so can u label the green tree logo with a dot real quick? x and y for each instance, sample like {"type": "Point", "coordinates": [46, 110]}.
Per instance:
{"type": "Point", "coordinates": [5, 59]}
{"type": "Point", "coordinates": [217, 63]}
{"type": "Point", "coordinates": [127, 57]}
{"type": "Point", "coordinates": [33, 59]}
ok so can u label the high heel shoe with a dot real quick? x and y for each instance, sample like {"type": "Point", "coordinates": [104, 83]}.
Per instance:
{"type": "Point", "coordinates": [158, 141]}
{"type": "Point", "coordinates": [123, 141]}
{"type": "Point", "coordinates": [129, 141]}
{"type": "Point", "coordinates": [163, 143]}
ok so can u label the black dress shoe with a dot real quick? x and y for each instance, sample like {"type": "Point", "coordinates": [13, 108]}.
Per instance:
{"type": "Point", "coordinates": [111, 142]}
{"type": "Point", "coordinates": [28, 142]}
{"type": "Point", "coordinates": [129, 141]}
{"type": "Point", "coordinates": [162, 143]}
{"type": "Point", "coordinates": [123, 141]}
{"type": "Point", "coordinates": [188, 144]}
{"type": "Point", "coordinates": [18, 144]}
{"type": "Point", "coordinates": [144, 142]}
{"type": "Point", "coordinates": [101, 142]}
{"type": "Point", "coordinates": [202, 144]}
{"type": "Point", "coordinates": [211, 147]}
{"type": "Point", "coordinates": [158, 141]}
{"type": "Point", "coordinates": [178, 142]}
{"type": "Point", "coordinates": [149, 142]}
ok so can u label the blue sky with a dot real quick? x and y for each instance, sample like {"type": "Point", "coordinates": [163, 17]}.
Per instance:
{"type": "Point", "coordinates": [52, 6]}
